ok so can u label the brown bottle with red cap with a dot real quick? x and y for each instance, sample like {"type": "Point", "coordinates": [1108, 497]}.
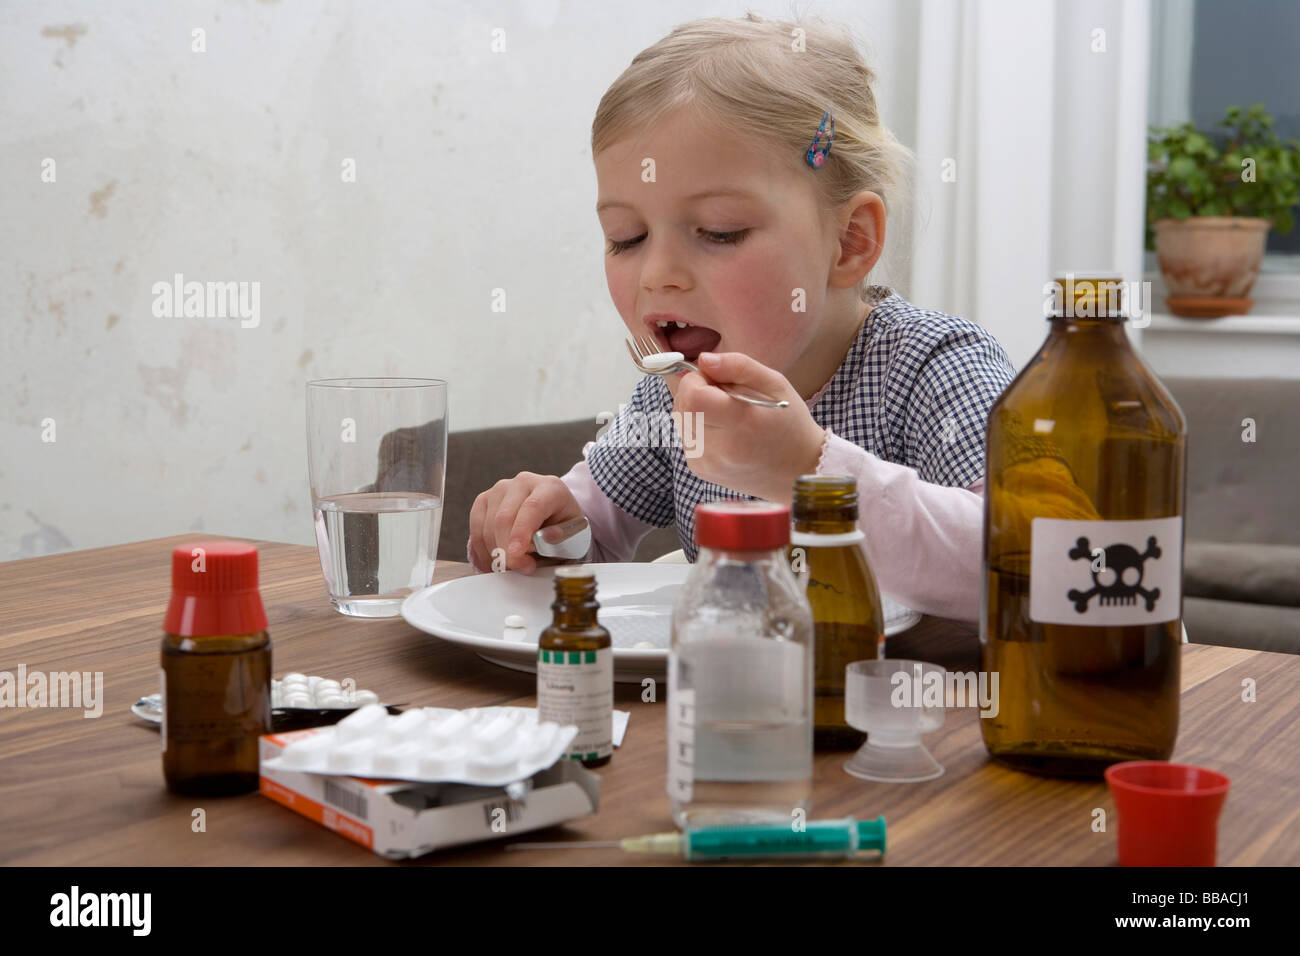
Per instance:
{"type": "Point", "coordinates": [216, 670]}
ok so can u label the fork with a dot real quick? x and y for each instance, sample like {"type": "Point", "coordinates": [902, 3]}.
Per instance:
{"type": "Point", "coordinates": [644, 348]}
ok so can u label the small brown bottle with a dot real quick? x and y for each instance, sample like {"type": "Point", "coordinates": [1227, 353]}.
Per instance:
{"type": "Point", "coordinates": [216, 671]}
{"type": "Point", "coordinates": [848, 616]}
{"type": "Point", "coordinates": [575, 668]}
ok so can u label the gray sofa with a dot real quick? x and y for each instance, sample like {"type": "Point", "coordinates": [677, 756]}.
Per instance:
{"type": "Point", "coordinates": [1242, 557]}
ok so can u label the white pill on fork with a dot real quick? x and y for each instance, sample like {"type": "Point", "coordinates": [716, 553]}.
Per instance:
{"type": "Point", "coordinates": [656, 361]}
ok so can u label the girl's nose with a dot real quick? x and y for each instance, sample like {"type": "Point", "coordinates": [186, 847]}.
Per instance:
{"type": "Point", "coordinates": [664, 265]}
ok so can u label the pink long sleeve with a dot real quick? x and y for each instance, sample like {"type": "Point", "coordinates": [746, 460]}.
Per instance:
{"type": "Point", "coordinates": [615, 534]}
{"type": "Point", "coordinates": [923, 541]}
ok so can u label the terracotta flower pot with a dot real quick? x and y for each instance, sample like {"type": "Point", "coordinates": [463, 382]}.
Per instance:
{"type": "Point", "coordinates": [1205, 259]}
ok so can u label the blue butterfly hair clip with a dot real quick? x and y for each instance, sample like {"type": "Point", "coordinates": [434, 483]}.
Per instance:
{"type": "Point", "coordinates": [821, 144]}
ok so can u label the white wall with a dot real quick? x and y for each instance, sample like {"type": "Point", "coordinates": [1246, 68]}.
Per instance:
{"type": "Point", "coordinates": [473, 173]}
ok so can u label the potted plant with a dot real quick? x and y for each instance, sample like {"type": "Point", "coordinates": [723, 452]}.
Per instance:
{"type": "Point", "coordinates": [1212, 197]}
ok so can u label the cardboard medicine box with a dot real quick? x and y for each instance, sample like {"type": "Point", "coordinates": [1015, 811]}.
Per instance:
{"type": "Point", "coordinates": [400, 819]}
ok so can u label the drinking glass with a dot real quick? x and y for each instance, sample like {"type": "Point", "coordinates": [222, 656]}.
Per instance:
{"type": "Point", "coordinates": [377, 459]}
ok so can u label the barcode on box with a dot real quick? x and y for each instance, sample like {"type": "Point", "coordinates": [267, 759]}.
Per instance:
{"type": "Point", "coordinates": [345, 800]}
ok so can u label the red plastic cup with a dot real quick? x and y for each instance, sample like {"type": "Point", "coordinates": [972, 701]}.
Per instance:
{"type": "Point", "coordinates": [1168, 812]}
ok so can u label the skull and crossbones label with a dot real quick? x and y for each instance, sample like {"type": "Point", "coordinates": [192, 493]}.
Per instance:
{"type": "Point", "coordinates": [1105, 573]}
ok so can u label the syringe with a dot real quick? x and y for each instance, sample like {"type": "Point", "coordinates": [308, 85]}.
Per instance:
{"type": "Point", "coordinates": [816, 839]}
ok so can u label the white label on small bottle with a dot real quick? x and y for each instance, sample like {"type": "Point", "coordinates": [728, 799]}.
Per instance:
{"type": "Point", "coordinates": [681, 737]}
{"type": "Point", "coordinates": [1105, 573]}
{"type": "Point", "coordinates": [162, 681]}
{"type": "Point", "coordinates": [577, 687]}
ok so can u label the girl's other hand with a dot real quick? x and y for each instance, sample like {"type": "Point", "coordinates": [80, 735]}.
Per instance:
{"type": "Point", "coordinates": [753, 450]}
{"type": "Point", "coordinates": [506, 515]}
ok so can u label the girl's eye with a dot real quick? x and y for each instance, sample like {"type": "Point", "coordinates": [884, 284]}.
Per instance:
{"type": "Point", "coordinates": [727, 238]}
{"type": "Point", "coordinates": [616, 245]}
{"type": "Point", "coordinates": [717, 238]}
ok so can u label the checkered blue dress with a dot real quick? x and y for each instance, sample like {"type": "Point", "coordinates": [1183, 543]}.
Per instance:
{"type": "Point", "coordinates": [915, 389]}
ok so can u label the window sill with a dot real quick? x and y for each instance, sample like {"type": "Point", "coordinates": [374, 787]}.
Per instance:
{"type": "Point", "coordinates": [1252, 324]}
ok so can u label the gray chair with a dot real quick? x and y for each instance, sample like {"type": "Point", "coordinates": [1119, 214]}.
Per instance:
{"type": "Point", "coordinates": [1241, 581]}
{"type": "Point", "coordinates": [477, 459]}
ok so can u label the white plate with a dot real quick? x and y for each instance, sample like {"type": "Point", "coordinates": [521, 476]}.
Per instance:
{"type": "Point", "coordinates": [636, 606]}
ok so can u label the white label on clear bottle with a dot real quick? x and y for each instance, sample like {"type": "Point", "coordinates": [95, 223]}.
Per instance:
{"type": "Point", "coordinates": [577, 687]}
{"type": "Point", "coordinates": [681, 737]}
{"type": "Point", "coordinates": [1105, 573]}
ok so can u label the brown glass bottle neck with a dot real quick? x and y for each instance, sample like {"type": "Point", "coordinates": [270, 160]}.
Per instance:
{"type": "Point", "coordinates": [575, 604]}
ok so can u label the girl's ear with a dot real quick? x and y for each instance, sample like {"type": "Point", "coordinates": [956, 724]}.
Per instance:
{"type": "Point", "coordinates": [861, 238]}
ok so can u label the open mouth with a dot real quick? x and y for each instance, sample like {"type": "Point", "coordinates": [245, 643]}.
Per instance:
{"type": "Point", "coordinates": [688, 339]}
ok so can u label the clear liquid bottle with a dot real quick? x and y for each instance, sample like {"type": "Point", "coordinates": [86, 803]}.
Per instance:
{"type": "Point", "coordinates": [740, 674]}
{"type": "Point", "coordinates": [215, 670]}
{"type": "Point", "coordinates": [1083, 539]}
{"type": "Point", "coordinates": [848, 616]}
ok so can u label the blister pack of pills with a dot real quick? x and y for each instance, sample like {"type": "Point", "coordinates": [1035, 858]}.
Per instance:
{"type": "Point", "coordinates": [485, 746]}
{"type": "Point", "coordinates": [299, 691]}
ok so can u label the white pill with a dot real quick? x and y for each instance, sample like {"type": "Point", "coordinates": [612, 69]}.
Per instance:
{"type": "Point", "coordinates": [328, 685]}
{"type": "Point", "coordinates": [493, 766]}
{"type": "Point", "coordinates": [313, 680]}
{"type": "Point", "coordinates": [449, 728]}
{"type": "Point", "coordinates": [351, 757]}
{"type": "Point", "coordinates": [298, 700]}
{"type": "Point", "coordinates": [363, 697]}
{"type": "Point", "coordinates": [515, 620]}
{"type": "Point", "coordinates": [305, 753]}
{"type": "Point", "coordinates": [493, 737]}
{"type": "Point", "coordinates": [443, 763]}
{"type": "Point", "coordinates": [362, 723]}
{"type": "Point", "coordinates": [540, 739]}
{"type": "Point", "coordinates": [408, 725]}
{"type": "Point", "coordinates": [397, 759]}
{"type": "Point", "coordinates": [660, 360]}
{"type": "Point", "coordinates": [330, 701]}
{"type": "Point", "coordinates": [294, 678]}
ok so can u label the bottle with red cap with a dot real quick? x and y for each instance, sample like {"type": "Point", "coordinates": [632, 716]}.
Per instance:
{"type": "Point", "coordinates": [216, 670]}
{"type": "Point", "coordinates": [740, 674]}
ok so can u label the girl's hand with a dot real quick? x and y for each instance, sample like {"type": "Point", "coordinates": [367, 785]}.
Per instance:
{"type": "Point", "coordinates": [506, 515]}
{"type": "Point", "coordinates": [753, 450]}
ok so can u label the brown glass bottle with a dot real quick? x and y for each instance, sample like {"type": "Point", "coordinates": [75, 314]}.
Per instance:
{"type": "Point", "coordinates": [216, 671]}
{"type": "Point", "coordinates": [848, 616]}
{"type": "Point", "coordinates": [1085, 458]}
{"type": "Point", "coordinates": [575, 668]}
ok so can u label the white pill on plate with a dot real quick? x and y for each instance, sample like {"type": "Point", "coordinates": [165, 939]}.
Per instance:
{"type": "Point", "coordinates": [515, 620]}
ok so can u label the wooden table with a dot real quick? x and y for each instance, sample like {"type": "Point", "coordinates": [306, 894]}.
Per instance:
{"type": "Point", "coordinates": [77, 791]}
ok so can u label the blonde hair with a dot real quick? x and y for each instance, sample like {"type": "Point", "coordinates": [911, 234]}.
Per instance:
{"type": "Point", "coordinates": [750, 80]}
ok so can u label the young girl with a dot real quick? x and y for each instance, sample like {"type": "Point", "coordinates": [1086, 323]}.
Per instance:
{"type": "Point", "coordinates": [744, 181]}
